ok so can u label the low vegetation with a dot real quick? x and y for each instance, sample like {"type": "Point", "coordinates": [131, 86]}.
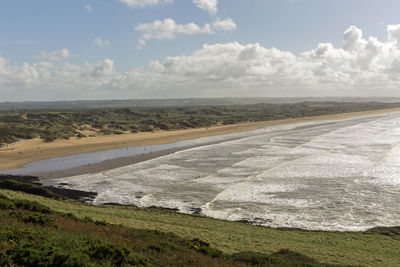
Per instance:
{"type": "Point", "coordinates": [27, 188]}
{"type": "Point", "coordinates": [52, 124]}
{"type": "Point", "coordinates": [30, 185]}
{"type": "Point", "coordinates": [53, 232]}
{"type": "Point", "coordinates": [31, 234]}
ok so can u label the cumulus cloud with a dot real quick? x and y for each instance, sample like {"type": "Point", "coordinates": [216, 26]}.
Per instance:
{"type": "Point", "coordinates": [224, 25]}
{"type": "Point", "coordinates": [169, 29]}
{"type": "Point", "coordinates": [55, 55]}
{"type": "Point", "coordinates": [394, 33]}
{"type": "Point", "coordinates": [101, 43]}
{"type": "Point", "coordinates": [352, 39]}
{"type": "Point", "coordinates": [211, 6]}
{"type": "Point", "coordinates": [44, 79]}
{"type": "Point", "coordinates": [362, 66]}
{"type": "Point", "coordinates": [144, 3]}
{"type": "Point", "coordinates": [103, 69]}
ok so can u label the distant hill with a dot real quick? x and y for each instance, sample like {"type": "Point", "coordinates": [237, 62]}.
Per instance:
{"type": "Point", "coordinates": [178, 102]}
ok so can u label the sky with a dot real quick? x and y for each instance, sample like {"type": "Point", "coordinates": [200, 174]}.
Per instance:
{"type": "Point", "coordinates": [135, 49]}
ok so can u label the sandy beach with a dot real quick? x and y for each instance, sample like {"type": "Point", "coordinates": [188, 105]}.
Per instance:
{"type": "Point", "coordinates": [34, 150]}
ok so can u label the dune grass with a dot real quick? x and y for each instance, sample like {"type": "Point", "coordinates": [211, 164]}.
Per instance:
{"type": "Point", "coordinates": [343, 248]}
{"type": "Point", "coordinates": [52, 124]}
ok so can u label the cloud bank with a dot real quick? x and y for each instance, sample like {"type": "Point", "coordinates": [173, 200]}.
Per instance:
{"type": "Point", "coordinates": [360, 67]}
{"type": "Point", "coordinates": [144, 3]}
{"type": "Point", "coordinates": [55, 55]}
{"type": "Point", "coordinates": [169, 29]}
{"type": "Point", "coordinates": [211, 6]}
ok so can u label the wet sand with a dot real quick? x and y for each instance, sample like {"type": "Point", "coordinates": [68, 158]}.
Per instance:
{"type": "Point", "coordinates": [109, 164]}
{"type": "Point", "coordinates": [35, 150]}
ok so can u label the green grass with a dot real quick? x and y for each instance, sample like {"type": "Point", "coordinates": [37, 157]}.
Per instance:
{"type": "Point", "coordinates": [29, 188]}
{"type": "Point", "coordinates": [375, 248]}
{"type": "Point", "coordinates": [31, 234]}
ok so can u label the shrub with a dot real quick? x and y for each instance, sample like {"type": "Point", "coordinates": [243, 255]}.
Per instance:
{"type": "Point", "coordinates": [30, 249]}
{"type": "Point", "coordinates": [38, 219]}
{"type": "Point", "coordinates": [156, 248]}
{"type": "Point", "coordinates": [101, 223]}
{"type": "Point", "coordinates": [32, 206]}
{"type": "Point", "coordinates": [88, 219]}
{"type": "Point", "coordinates": [34, 135]}
{"type": "Point", "coordinates": [287, 256]}
{"type": "Point", "coordinates": [16, 235]}
{"type": "Point", "coordinates": [110, 131]}
{"type": "Point", "coordinates": [283, 257]}
{"type": "Point", "coordinates": [49, 255]}
{"type": "Point", "coordinates": [70, 216]}
{"type": "Point", "coordinates": [4, 259]}
{"type": "Point", "coordinates": [6, 204]}
{"type": "Point", "coordinates": [253, 258]}
{"type": "Point", "coordinates": [204, 248]}
{"type": "Point", "coordinates": [118, 256]}
{"type": "Point", "coordinates": [27, 188]}
{"type": "Point", "coordinates": [4, 197]}
{"type": "Point", "coordinates": [80, 135]}
{"type": "Point", "coordinates": [389, 231]}
{"type": "Point", "coordinates": [49, 139]}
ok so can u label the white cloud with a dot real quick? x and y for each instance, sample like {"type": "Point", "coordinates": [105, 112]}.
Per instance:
{"type": "Point", "coordinates": [144, 3]}
{"type": "Point", "coordinates": [103, 69]}
{"type": "Point", "coordinates": [362, 66]}
{"type": "Point", "coordinates": [394, 33]}
{"type": "Point", "coordinates": [169, 29]}
{"type": "Point", "coordinates": [224, 25]}
{"type": "Point", "coordinates": [101, 43]}
{"type": "Point", "coordinates": [88, 8]}
{"type": "Point", "coordinates": [55, 55]}
{"type": "Point", "coordinates": [352, 39]}
{"type": "Point", "coordinates": [44, 79]}
{"type": "Point", "coordinates": [211, 6]}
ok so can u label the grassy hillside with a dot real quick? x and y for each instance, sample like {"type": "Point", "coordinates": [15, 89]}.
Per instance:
{"type": "Point", "coordinates": [51, 124]}
{"type": "Point", "coordinates": [32, 234]}
{"type": "Point", "coordinates": [378, 247]}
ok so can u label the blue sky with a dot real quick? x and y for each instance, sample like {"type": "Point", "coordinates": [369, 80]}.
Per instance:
{"type": "Point", "coordinates": [122, 43]}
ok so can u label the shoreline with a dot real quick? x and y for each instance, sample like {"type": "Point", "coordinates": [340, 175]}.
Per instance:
{"type": "Point", "coordinates": [78, 195]}
{"type": "Point", "coordinates": [111, 163]}
{"type": "Point", "coordinates": [35, 150]}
